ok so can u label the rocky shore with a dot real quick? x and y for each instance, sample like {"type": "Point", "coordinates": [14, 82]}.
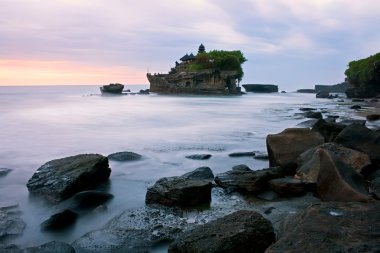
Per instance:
{"type": "Point", "coordinates": [320, 193]}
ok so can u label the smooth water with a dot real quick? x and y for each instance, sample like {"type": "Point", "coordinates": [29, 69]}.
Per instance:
{"type": "Point", "coordinates": [39, 124]}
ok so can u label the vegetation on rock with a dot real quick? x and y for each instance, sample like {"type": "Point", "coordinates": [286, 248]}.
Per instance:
{"type": "Point", "coordinates": [219, 59]}
{"type": "Point", "coordinates": [364, 74]}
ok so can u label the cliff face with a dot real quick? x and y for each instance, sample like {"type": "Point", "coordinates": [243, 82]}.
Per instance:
{"type": "Point", "coordinates": [195, 82]}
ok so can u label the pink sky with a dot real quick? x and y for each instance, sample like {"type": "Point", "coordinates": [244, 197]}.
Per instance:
{"type": "Point", "coordinates": [291, 43]}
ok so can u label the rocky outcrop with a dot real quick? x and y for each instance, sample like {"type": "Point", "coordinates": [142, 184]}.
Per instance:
{"type": "Point", "coordinates": [10, 222]}
{"type": "Point", "coordinates": [309, 162]}
{"type": "Point", "coordinates": [331, 227]}
{"type": "Point", "coordinates": [361, 138]}
{"type": "Point", "coordinates": [242, 179]}
{"type": "Point", "coordinates": [187, 190]}
{"type": "Point", "coordinates": [242, 231]}
{"type": "Point", "coordinates": [285, 147]}
{"type": "Point", "coordinates": [338, 181]}
{"type": "Point", "coordinates": [60, 179]}
{"type": "Point", "coordinates": [124, 156]}
{"type": "Point", "coordinates": [199, 156]}
{"type": "Point", "coordinates": [260, 88]}
{"type": "Point", "coordinates": [90, 199]}
{"type": "Point", "coordinates": [336, 88]}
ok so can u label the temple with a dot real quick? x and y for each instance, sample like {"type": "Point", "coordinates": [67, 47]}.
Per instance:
{"type": "Point", "coordinates": [187, 77]}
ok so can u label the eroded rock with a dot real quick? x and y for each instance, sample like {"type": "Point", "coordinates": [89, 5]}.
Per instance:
{"type": "Point", "coordinates": [10, 222]}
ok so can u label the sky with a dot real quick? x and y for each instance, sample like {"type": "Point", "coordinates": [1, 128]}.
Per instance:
{"type": "Point", "coordinates": [292, 43]}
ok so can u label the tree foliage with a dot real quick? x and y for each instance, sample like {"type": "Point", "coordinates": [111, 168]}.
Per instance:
{"type": "Point", "coordinates": [221, 60]}
{"type": "Point", "coordinates": [365, 73]}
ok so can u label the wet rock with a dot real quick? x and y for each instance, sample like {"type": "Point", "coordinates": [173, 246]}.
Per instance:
{"type": "Point", "coordinates": [308, 123]}
{"type": "Point", "coordinates": [59, 220]}
{"type": "Point", "coordinates": [241, 154]}
{"type": "Point", "coordinates": [261, 157]}
{"type": "Point", "coordinates": [373, 117]}
{"type": "Point", "coordinates": [309, 161]}
{"type": "Point", "coordinates": [328, 130]}
{"type": "Point", "coordinates": [356, 107]}
{"type": "Point", "coordinates": [60, 179]}
{"type": "Point", "coordinates": [306, 109]}
{"type": "Point", "coordinates": [54, 246]}
{"type": "Point", "coordinates": [285, 147]}
{"type": "Point", "coordinates": [331, 227]}
{"type": "Point", "coordinates": [185, 190]}
{"type": "Point", "coordinates": [200, 173]}
{"type": "Point", "coordinates": [338, 181]}
{"type": "Point", "coordinates": [124, 156]}
{"type": "Point", "coordinates": [288, 187]}
{"type": "Point", "coordinates": [113, 241]}
{"type": "Point", "coordinates": [313, 115]}
{"type": "Point", "coordinates": [242, 231]}
{"type": "Point", "coordinates": [199, 156]}
{"type": "Point", "coordinates": [361, 138]}
{"type": "Point", "coordinates": [4, 171]}
{"type": "Point", "coordinates": [10, 222]}
{"type": "Point", "coordinates": [242, 179]}
{"type": "Point", "coordinates": [374, 183]}
{"type": "Point", "coordinates": [91, 199]}
{"type": "Point", "coordinates": [348, 122]}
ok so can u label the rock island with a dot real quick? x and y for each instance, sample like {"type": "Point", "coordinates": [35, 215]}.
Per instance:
{"type": "Point", "coordinates": [217, 72]}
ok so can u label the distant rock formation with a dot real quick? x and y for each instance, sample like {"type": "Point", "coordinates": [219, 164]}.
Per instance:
{"type": "Point", "coordinates": [262, 88]}
{"type": "Point", "coordinates": [336, 88]}
{"type": "Point", "coordinates": [216, 72]}
{"type": "Point", "coordinates": [306, 91]}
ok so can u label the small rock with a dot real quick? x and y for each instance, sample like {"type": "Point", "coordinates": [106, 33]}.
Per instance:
{"type": "Point", "coordinates": [91, 199]}
{"type": "Point", "coordinates": [373, 117]}
{"type": "Point", "coordinates": [4, 171]}
{"type": "Point", "coordinates": [200, 173]}
{"type": "Point", "coordinates": [261, 157]}
{"type": "Point", "coordinates": [306, 109]}
{"type": "Point", "coordinates": [10, 222]}
{"type": "Point", "coordinates": [199, 156]}
{"type": "Point", "coordinates": [356, 107]}
{"type": "Point", "coordinates": [60, 220]}
{"type": "Point", "coordinates": [54, 246]}
{"type": "Point", "coordinates": [313, 115]}
{"type": "Point", "coordinates": [124, 156]}
{"type": "Point", "coordinates": [241, 154]}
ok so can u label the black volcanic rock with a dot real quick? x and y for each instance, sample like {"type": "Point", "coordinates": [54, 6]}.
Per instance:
{"type": "Point", "coordinates": [60, 179]}
{"type": "Point", "coordinates": [124, 156]}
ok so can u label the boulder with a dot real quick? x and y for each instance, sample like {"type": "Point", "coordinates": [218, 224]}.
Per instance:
{"type": "Point", "coordinates": [361, 138]}
{"type": "Point", "coordinates": [338, 181]}
{"type": "Point", "coordinates": [328, 130]}
{"type": "Point", "coordinates": [124, 156]}
{"type": "Point", "coordinates": [313, 115]}
{"type": "Point", "coordinates": [288, 187]}
{"type": "Point", "coordinates": [91, 199]}
{"type": "Point", "coordinates": [331, 227]}
{"type": "Point", "coordinates": [59, 220]}
{"type": "Point", "coordinates": [356, 107]}
{"type": "Point", "coordinates": [242, 179]}
{"type": "Point", "coordinates": [241, 231]}
{"type": "Point", "coordinates": [374, 183]}
{"type": "Point", "coordinates": [322, 94]}
{"type": "Point", "coordinates": [348, 122]}
{"type": "Point", "coordinates": [372, 117]}
{"type": "Point", "coordinates": [285, 147]}
{"type": "Point", "coordinates": [200, 173]}
{"type": "Point", "coordinates": [199, 156]}
{"type": "Point", "coordinates": [10, 222]}
{"type": "Point", "coordinates": [309, 162]}
{"type": "Point", "coordinates": [241, 154]}
{"type": "Point", "coordinates": [308, 123]}
{"type": "Point", "coordinates": [4, 171]}
{"type": "Point", "coordinates": [60, 179]}
{"type": "Point", "coordinates": [187, 190]}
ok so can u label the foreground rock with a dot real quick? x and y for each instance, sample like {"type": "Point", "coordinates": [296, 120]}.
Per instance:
{"type": "Point", "coordinates": [361, 138]}
{"type": "Point", "coordinates": [190, 189]}
{"type": "Point", "coordinates": [288, 187]}
{"type": "Point", "coordinates": [285, 147]}
{"type": "Point", "coordinates": [331, 227]}
{"type": "Point", "coordinates": [242, 231]}
{"type": "Point", "coordinates": [338, 181]}
{"type": "Point", "coordinates": [124, 156]}
{"type": "Point", "coordinates": [374, 183]}
{"type": "Point", "coordinates": [59, 220]}
{"type": "Point", "coordinates": [10, 222]}
{"type": "Point", "coordinates": [60, 179]}
{"type": "Point", "coordinates": [309, 162]}
{"type": "Point", "coordinates": [329, 130]}
{"type": "Point", "coordinates": [242, 179]}
{"type": "Point", "coordinates": [54, 246]}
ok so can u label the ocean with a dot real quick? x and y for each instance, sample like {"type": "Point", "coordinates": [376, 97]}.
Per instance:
{"type": "Point", "coordinates": [42, 123]}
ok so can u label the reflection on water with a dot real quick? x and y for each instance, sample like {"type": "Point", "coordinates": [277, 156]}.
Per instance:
{"type": "Point", "coordinates": [39, 124]}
